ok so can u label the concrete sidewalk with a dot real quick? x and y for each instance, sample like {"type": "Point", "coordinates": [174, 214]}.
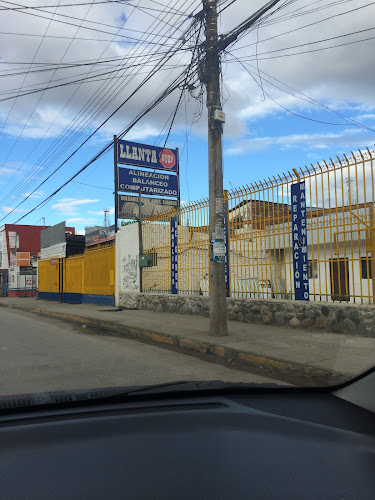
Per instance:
{"type": "Point", "coordinates": [296, 356]}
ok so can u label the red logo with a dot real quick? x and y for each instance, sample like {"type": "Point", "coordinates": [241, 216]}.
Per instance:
{"type": "Point", "coordinates": [167, 159]}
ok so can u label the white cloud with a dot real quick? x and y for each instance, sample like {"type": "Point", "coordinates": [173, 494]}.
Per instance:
{"type": "Point", "coordinates": [80, 220]}
{"type": "Point", "coordinates": [7, 210]}
{"type": "Point", "coordinates": [341, 77]}
{"type": "Point", "coordinates": [69, 206]}
{"type": "Point", "coordinates": [348, 139]}
{"type": "Point", "coordinates": [6, 171]}
{"type": "Point", "coordinates": [37, 194]}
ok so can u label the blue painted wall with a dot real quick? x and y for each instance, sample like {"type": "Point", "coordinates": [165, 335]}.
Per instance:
{"type": "Point", "coordinates": [104, 300]}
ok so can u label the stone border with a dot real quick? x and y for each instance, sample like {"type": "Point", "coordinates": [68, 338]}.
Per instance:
{"type": "Point", "coordinates": [266, 366]}
{"type": "Point", "coordinates": [350, 319]}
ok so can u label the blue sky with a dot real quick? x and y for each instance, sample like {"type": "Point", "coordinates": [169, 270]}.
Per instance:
{"type": "Point", "coordinates": [263, 135]}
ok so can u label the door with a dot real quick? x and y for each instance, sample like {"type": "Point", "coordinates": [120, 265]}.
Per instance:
{"type": "Point", "coordinates": [4, 284]}
{"type": "Point", "coordinates": [340, 280]}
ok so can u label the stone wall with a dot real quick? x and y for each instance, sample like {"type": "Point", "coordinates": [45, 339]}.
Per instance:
{"type": "Point", "coordinates": [337, 318]}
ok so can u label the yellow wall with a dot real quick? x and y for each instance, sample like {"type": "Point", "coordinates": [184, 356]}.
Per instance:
{"type": "Point", "coordinates": [48, 276]}
{"type": "Point", "coordinates": [92, 273]}
{"type": "Point", "coordinates": [73, 274]}
{"type": "Point", "coordinates": [99, 271]}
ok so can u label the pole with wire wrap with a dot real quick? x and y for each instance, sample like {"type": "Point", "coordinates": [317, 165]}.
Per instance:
{"type": "Point", "coordinates": [211, 77]}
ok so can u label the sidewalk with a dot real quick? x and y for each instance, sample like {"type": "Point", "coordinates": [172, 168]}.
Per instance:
{"type": "Point", "coordinates": [295, 356]}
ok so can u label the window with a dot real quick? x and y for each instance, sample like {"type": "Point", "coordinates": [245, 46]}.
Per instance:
{"type": "Point", "coordinates": [366, 268]}
{"type": "Point", "coordinates": [313, 269]}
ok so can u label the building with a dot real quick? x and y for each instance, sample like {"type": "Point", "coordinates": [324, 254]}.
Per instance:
{"type": "Point", "coordinates": [19, 253]}
{"type": "Point", "coordinates": [340, 251]}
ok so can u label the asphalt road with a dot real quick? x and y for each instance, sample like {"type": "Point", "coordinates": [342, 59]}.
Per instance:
{"type": "Point", "coordinates": [40, 354]}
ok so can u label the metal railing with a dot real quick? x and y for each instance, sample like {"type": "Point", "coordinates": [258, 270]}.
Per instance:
{"type": "Point", "coordinates": [340, 236]}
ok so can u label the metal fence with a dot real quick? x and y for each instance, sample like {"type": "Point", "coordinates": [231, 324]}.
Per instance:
{"type": "Point", "coordinates": [73, 278]}
{"type": "Point", "coordinates": [340, 236]}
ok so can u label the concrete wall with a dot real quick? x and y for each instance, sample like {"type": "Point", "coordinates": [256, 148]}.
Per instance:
{"type": "Point", "coordinates": [336, 318]}
{"type": "Point", "coordinates": [127, 260]}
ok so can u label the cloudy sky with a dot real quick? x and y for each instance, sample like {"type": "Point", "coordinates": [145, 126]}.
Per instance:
{"type": "Point", "coordinates": [297, 89]}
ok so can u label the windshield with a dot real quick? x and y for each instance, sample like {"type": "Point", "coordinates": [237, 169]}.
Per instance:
{"type": "Point", "coordinates": [187, 194]}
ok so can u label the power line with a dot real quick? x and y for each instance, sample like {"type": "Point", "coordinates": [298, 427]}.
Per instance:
{"type": "Point", "coordinates": [317, 41]}
{"type": "Point", "coordinates": [310, 100]}
{"type": "Point", "coordinates": [297, 114]}
{"type": "Point", "coordinates": [87, 79]}
{"type": "Point", "coordinates": [96, 157]}
{"type": "Point", "coordinates": [100, 126]}
{"type": "Point", "coordinates": [65, 107]}
{"type": "Point", "coordinates": [135, 40]}
{"type": "Point", "coordinates": [95, 22]}
{"type": "Point", "coordinates": [58, 6]}
{"type": "Point", "coordinates": [97, 113]}
{"type": "Point", "coordinates": [305, 26]}
{"type": "Point", "coordinates": [312, 50]}
{"type": "Point", "coordinates": [92, 185]}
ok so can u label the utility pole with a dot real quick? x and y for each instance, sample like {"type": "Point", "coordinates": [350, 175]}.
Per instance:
{"type": "Point", "coordinates": [115, 179]}
{"type": "Point", "coordinates": [106, 217]}
{"type": "Point", "coordinates": [211, 77]}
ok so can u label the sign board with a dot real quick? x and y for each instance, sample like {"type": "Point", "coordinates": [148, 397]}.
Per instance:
{"type": "Point", "coordinates": [174, 283]}
{"type": "Point", "coordinates": [95, 235]}
{"type": "Point", "coordinates": [226, 240]}
{"type": "Point", "coordinates": [23, 258]}
{"type": "Point", "coordinates": [12, 258]}
{"type": "Point", "coordinates": [58, 250]}
{"type": "Point", "coordinates": [299, 241]}
{"type": "Point", "coordinates": [54, 262]}
{"type": "Point", "coordinates": [52, 235]}
{"type": "Point", "coordinates": [142, 155]}
{"type": "Point", "coordinates": [154, 183]}
{"type": "Point", "coordinates": [128, 206]}
{"type": "Point", "coordinates": [27, 270]}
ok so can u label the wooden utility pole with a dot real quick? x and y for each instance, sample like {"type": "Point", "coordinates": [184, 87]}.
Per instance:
{"type": "Point", "coordinates": [211, 77]}
{"type": "Point", "coordinates": [116, 179]}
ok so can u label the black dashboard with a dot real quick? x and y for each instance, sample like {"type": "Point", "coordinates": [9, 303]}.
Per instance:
{"type": "Point", "coordinates": [266, 445]}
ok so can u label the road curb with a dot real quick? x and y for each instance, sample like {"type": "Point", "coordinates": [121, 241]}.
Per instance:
{"type": "Point", "coordinates": [265, 365]}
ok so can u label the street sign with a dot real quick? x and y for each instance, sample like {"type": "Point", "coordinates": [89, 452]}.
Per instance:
{"type": "Point", "coordinates": [27, 270]}
{"type": "Point", "coordinates": [128, 206]}
{"type": "Point", "coordinates": [174, 275]}
{"type": "Point", "coordinates": [154, 183]}
{"type": "Point", "coordinates": [299, 230]}
{"type": "Point", "coordinates": [96, 235]}
{"type": "Point", "coordinates": [143, 155]}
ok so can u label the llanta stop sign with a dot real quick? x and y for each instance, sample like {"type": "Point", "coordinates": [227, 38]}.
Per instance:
{"type": "Point", "coordinates": [167, 158]}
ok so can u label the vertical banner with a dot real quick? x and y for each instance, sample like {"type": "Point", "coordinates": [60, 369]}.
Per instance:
{"type": "Point", "coordinates": [299, 242]}
{"type": "Point", "coordinates": [174, 255]}
{"type": "Point", "coordinates": [226, 240]}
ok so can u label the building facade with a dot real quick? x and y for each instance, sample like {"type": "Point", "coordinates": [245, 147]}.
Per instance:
{"type": "Point", "coordinates": [19, 254]}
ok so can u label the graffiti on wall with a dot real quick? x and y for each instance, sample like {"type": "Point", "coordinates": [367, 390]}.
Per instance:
{"type": "Point", "coordinates": [129, 273]}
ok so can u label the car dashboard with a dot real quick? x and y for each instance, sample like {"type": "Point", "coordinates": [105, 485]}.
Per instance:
{"type": "Point", "coordinates": [267, 444]}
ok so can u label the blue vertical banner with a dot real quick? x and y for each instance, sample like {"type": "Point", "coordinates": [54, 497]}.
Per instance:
{"type": "Point", "coordinates": [226, 240]}
{"type": "Point", "coordinates": [299, 241]}
{"type": "Point", "coordinates": [174, 255]}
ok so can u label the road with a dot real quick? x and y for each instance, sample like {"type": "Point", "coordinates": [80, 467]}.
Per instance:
{"type": "Point", "coordinates": [40, 354]}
